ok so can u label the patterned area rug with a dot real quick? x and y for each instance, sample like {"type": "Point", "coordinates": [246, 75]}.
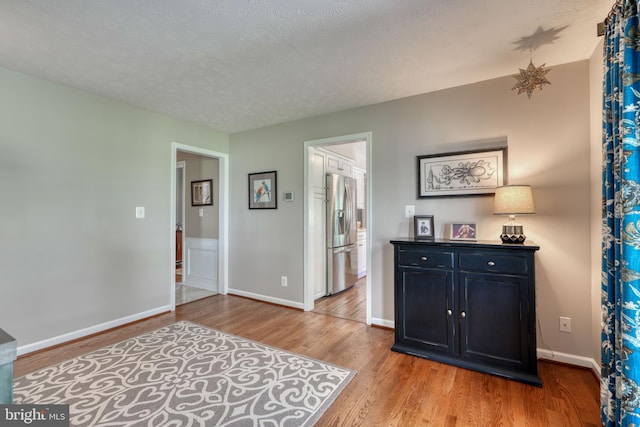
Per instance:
{"type": "Point", "coordinates": [187, 375]}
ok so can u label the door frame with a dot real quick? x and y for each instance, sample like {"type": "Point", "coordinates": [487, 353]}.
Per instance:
{"type": "Point", "coordinates": [182, 165]}
{"type": "Point", "coordinates": [223, 217]}
{"type": "Point", "coordinates": [308, 201]}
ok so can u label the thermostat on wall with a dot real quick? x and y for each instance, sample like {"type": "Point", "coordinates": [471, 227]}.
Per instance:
{"type": "Point", "coordinates": [288, 196]}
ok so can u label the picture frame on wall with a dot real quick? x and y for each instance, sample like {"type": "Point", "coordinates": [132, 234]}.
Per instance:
{"type": "Point", "coordinates": [464, 231]}
{"type": "Point", "coordinates": [423, 227]}
{"type": "Point", "coordinates": [263, 190]}
{"type": "Point", "coordinates": [202, 192]}
{"type": "Point", "coordinates": [463, 173]}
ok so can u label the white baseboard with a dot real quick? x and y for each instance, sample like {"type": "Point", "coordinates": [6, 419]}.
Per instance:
{"type": "Point", "coordinates": [383, 322]}
{"type": "Point", "coordinates": [265, 298]}
{"type": "Point", "coordinates": [293, 304]}
{"type": "Point", "coordinates": [569, 359]}
{"type": "Point", "coordinates": [545, 354]}
{"type": "Point", "coordinates": [28, 348]}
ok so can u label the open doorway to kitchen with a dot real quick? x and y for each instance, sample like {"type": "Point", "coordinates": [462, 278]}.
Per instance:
{"type": "Point", "coordinates": [337, 282]}
{"type": "Point", "coordinates": [199, 225]}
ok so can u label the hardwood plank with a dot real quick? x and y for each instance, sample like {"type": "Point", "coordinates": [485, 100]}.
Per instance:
{"type": "Point", "coordinates": [390, 389]}
{"type": "Point", "coordinates": [349, 304]}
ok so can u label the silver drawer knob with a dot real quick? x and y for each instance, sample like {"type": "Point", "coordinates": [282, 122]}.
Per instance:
{"type": "Point", "coordinates": [491, 264]}
{"type": "Point", "coordinates": [449, 312]}
{"type": "Point", "coordinates": [423, 258]}
{"type": "Point", "coordinates": [463, 314]}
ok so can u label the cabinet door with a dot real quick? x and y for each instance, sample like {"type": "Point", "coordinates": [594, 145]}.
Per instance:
{"type": "Point", "coordinates": [317, 247]}
{"type": "Point", "coordinates": [493, 313]}
{"type": "Point", "coordinates": [318, 177]}
{"type": "Point", "coordinates": [425, 297]}
{"type": "Point", "coordinates": [346, 168]}
{"type": "Point", "coordinates": [362, 258]}
{"type": "Point", "coordinates": [334, 164]}
{"type": "Point", "coordinates": [317, 224]}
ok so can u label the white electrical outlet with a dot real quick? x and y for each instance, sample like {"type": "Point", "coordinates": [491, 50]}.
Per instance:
{"type": "Point", "coordinates": [565, 324]}
{"type": "Point", "coordinates": [409, 211]}
{"type": "Point", "coordinates": [140, 212]}
{"type": "Point", "coordinates": [283, 281]}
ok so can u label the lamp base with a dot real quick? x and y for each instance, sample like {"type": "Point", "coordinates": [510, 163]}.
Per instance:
{"type": "Point", "coordinates": [512, 234]}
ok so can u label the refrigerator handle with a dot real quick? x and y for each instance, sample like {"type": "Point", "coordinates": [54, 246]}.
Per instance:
{"type": "Point", "coordinates": [352, 203]}
{"type": "Point", "coordinates": [349, 210]}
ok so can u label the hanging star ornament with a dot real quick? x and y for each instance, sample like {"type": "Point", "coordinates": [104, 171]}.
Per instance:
{"type": "Point", "coordinates": [531, 79]}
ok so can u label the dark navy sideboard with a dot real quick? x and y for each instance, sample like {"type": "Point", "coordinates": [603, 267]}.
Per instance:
{"type": "Point", "coordinates": [469, 304]}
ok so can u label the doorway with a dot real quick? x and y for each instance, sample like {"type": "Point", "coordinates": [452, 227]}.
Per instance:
{"type": "Point", "coordinates": [203, 263]}
{"type": "Point", "coordinates": [180, 166]}
{"type": "Point", "coordinates": [358, 298]}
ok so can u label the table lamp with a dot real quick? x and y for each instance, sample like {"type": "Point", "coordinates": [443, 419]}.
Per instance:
{"type": "Point", "coordinates": [513, 200]}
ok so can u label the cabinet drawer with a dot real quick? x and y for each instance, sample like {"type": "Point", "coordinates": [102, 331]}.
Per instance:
{"type": "Point", "coordinates": [425, 259]}
{"type": "Point", "coordinates": [493, 263]}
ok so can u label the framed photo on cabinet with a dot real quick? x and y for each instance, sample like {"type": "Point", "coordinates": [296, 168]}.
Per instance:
{"type": "Point", "coordinates": [464, 231]}
{"type": "Point", "coordinates": [423, 227]}
{"type": "Point", "coordinates": [263, 190]}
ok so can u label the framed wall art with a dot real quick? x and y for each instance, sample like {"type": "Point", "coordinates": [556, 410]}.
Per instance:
{"type": "Point", "coordinates": [464, 173]}
{"type": "Point", "coordinates": [202, 193]}
{"type": "Point", "coordinates": [263, 190]}
{"type": "Point", "coordinates": [464, 231]}
{"type": "Point", "coordinates": [423, 227]}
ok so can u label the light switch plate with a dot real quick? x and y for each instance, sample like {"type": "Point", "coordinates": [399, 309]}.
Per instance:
{"type": "Point", "coordinates": [201, 212]}
{"type": "Point", "coordinates": [140, 212]}
{"type": "Point", "coordinates": [409, 211]}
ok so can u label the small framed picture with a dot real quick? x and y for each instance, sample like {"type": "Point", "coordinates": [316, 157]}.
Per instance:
{"type": "Point", "coordinates": [464, 231]}
{"type": "Point", "coordinates": [201, 193]}
{"type": "Point", "coordinates": [423, 227]}
{"type": "Point", "coordinates": [263, 192]}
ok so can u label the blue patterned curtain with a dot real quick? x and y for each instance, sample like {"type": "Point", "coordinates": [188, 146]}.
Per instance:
{"type": "Point", "coordinates": [620, 388]}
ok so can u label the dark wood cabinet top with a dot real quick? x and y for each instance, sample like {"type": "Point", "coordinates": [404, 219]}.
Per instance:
{"type": "Point", "coordinates": [479, 244]}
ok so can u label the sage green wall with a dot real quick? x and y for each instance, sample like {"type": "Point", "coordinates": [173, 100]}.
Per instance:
{"type": "Point", "coordinates": [549, 147]}
{"type": "Point", "coordinates": [73, 167]}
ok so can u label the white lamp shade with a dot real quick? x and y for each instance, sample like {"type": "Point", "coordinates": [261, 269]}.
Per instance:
{"type": "Point", "coordinates": [513, 199]}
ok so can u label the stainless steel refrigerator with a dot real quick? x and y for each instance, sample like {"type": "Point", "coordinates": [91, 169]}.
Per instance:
{"type": "Point", "coordinates": [342, 235]}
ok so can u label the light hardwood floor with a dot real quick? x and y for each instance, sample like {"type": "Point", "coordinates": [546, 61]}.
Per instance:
{"type": "Point", "coordinates": [350, 304]}
{"type": "Point", "coordinates": [390, 389]}
{"type": "Point", "coordinates": [185, 294]}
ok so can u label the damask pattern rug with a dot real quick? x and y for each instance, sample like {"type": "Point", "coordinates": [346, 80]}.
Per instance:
{"type": "Point", "coordinates": [186, 374]}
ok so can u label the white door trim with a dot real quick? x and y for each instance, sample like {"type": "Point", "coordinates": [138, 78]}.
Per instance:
{"type": "Point", "coordinates": [223, 222]}
{"type": "Point", "coordinates": [308, 201]}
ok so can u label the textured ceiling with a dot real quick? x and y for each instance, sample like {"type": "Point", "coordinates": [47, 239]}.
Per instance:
{"type": "Point", "coordinates": [242, 64]}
